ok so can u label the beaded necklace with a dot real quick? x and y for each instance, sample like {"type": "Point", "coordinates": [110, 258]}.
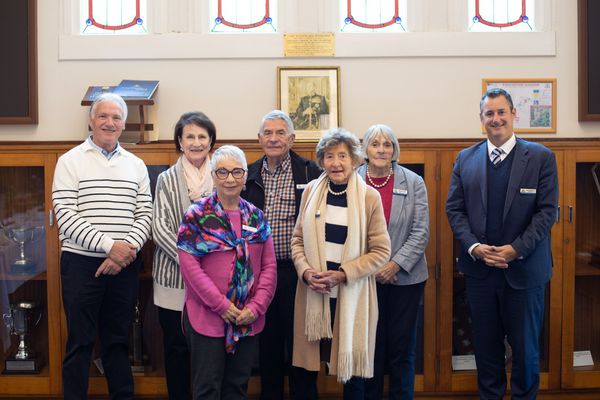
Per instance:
{"type": "Point", "coordinates": [335, 193]}
{"type": "Point", "coordinates": [384, 182]}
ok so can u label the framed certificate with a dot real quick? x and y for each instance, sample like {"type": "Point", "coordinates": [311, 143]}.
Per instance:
{"type": "Point", "coordinates": [534, 99]}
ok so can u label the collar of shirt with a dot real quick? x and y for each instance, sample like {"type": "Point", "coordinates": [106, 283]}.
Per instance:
{"type": "Point", "coordinates": [282, 167]}
{"type": "Point", "coordinates": [107, 154]}
{"type": "Point", "coordinates": [506, 147]}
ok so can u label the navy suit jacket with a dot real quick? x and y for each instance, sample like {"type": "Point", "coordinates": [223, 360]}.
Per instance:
{"type": "Point", "coordinates": [529, 211]}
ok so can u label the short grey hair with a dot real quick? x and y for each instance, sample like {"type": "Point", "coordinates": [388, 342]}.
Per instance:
{"type": "Point", "coordinates": [113, 98]}
{"type": "Point", "coordinates": [337, 136]}
{"type": "Point", "coordinates": [387, 132]}
{"type": "Point", "coordinates": [228, 152]}
{"type": "Point", "coordinates": [277, 114]}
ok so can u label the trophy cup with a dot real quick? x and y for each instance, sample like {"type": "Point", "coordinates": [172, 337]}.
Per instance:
{"type": "Point", "coordinates": [20, 235]}
{"type": "Point", "coordinates": [138, 358]}
{"type": "Point", "coordinates": [23, 318]}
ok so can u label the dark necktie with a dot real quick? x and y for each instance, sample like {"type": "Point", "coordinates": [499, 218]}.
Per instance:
{"type": "Point", "coordinates": [495, 156]}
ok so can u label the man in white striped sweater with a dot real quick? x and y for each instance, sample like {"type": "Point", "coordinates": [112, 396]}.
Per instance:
{"type": "Point", "coordinates": [101, 197]}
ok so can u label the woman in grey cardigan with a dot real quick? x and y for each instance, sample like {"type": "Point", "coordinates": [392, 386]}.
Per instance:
{"type": "Point", "coordinates": [401, 281]}
{"type": "Point", "coordinates": [176, 189]}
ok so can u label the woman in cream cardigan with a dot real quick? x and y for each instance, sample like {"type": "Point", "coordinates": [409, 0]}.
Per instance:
{"type": "Point", "coordinates": [339, 242]}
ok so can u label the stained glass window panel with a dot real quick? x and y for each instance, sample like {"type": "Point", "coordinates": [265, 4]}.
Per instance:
{"type": "Point", "coordinates": [372, 15]}
{"type": "Point", "coordinates": [501, 15]}
{"type": "Point", "coordinates": [238, 16]}
{"type": "Point", "coordinates": [113, 17]}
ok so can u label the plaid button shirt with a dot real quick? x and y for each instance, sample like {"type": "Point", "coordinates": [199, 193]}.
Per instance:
{"type": "Point", "coordinates": [280, 204]}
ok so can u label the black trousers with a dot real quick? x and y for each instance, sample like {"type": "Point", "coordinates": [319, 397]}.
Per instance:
{"type": "Point", "coordinates": [276, 340]}
{"type": "Point", "coordinates": [396, 340]}
{"type": "Point", "coordinates": [176, 353]}
{"type": "Point", "coordinates": [217, 375]}
{"type": "Point", "coordinates": [104, 305]}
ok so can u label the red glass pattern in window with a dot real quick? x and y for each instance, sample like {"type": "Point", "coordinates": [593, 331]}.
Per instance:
{"type": "Point", "coordinates": [479, 18]}
{"type": "Point", "coordinates": [91, 21]}
{"type": "Point", "coordinates": [351, 20]}
{"type": "Point", "coordinates": [221, 20]}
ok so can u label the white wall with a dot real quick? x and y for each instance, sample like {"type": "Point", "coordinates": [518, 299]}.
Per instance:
{"type": "Point", "coordinates": [420, 97]}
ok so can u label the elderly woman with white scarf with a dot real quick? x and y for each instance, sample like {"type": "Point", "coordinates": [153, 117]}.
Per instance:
{"type": "Point", "coordinates": [340, 240]}
{"type": "Point", "coordinates": [176, 189]}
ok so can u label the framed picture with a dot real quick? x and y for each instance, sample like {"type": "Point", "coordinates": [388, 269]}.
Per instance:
{"type": "Point", "coordinates": [311, 97]}
{"type": "Point", "coordinates": [534, 99]}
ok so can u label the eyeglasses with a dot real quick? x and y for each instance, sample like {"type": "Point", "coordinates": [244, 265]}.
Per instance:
{"type": "Point", "coordinates": [223, 173]}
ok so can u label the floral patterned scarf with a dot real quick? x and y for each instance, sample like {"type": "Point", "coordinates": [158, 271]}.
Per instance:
{"type": "Point", "coordinates": [206, 228]}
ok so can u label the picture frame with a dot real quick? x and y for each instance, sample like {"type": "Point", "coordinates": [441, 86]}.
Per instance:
{"type": "Point", "coordinates": [18, 39]}
{"type": "Point", "coordinates": [588, 59]}
{"type": "Point", "coordinates": [534, 99]}
{"type": "Point", "coordinates": [311, 97]}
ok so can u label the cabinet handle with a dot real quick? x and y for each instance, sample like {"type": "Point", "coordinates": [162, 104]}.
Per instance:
{"type": "Point", "coordinates": [570, 214]}
{"type": "Point", "coordinates": [558, 215]}
{"type": "Point", "coordinates": [50, 218]}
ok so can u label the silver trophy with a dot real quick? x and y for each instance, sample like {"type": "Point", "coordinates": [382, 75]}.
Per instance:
{"type": "Point", "coordinates": [22, 320]}
{"type": "Point", "coordinates": [20, 235]}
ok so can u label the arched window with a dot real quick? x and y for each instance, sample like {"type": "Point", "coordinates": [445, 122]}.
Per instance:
{"type": "Point", "coordinates": [113, 16]}
{"type": "Point", "coordinates": [501, 15]}
{"type": "Point", "coordinates": [243, 16]}
{"type": "Point", "coordinates": [373, 15]}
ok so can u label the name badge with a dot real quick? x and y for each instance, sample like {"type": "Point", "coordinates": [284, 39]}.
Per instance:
{"type": "Point", "coordinates": [301, 186]}
{"type": "Point", "coordinates": [249, 228]}
{"type": "Point", "coordinates": [528, 191]}
{"type": "Point", "coordinates": [401, 192]}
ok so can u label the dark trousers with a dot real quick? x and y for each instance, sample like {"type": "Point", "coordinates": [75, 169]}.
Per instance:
{"type": "Point", "coordinates": [396, 340]}
{"type": "Point", "coordinates": [177, 356]}
{"type": "Point", "coordinates": [217, 375]}
{"type": "Point", "coordinates": [497, 310]}
{"type": "Point", "coordinates": [275, 355]}
{"type": "Point", "coordinates": [306, 381]}
{"type": "Point", "coordinates": [105, 303]}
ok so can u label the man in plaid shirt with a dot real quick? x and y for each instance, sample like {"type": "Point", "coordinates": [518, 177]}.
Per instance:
{"type": "Point", "coordinates": [275, 184]}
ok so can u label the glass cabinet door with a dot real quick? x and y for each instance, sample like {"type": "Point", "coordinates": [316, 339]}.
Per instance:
{"type": "Point", "coordinates": [28, 276]}
{"type": "Point", "coordinates": [458, 370]}
{"type": "Point", "coordinates": [146, 341]}
{"type": "Point", "coordinates": [581, 337]}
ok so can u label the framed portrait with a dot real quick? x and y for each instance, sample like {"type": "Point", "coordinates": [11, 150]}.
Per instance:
{"type": "Point", "coordinates": [311, 97]}
{"type": "Point", "coordinates": [534, 99]}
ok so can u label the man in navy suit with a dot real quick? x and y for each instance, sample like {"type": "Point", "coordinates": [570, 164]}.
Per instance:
{"type": "Point", "coordinates": [501, 205]}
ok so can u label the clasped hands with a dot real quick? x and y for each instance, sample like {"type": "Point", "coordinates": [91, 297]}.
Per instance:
{"type": "Point", "coordinates": [121, 254]}
{"type": "Point", "coordinates": [495, 256]}
{"type": "Point", "coordinates": [236, 316]}
{"type": "Point", "coordinates": [322, 282]}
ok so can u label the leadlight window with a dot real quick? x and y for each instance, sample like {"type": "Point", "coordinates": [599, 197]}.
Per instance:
{"type": "Point", "coordinates": [238, 16]}
{"type": "Point", "coordinates": [113, 17]}
{"type": "Point", "coordinates": [501, 15]}
{"type": "Point", "coordinates": [373, 15]}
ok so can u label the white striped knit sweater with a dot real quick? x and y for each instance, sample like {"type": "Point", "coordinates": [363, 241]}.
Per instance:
{"type": "Point", "coordinates": [97, 201]}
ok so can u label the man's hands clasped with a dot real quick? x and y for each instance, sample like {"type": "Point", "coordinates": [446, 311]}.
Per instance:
{"type": "Point", "coordinates": [121, 255]}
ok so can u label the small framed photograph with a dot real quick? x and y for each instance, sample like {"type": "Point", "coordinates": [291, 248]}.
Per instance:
{"type": "Point", "coordinates": [311, 97]}
{"type": "Point", "coordinates": [534, 99]}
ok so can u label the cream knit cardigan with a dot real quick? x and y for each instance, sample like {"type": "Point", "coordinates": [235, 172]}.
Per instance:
{"type": "Point", "coordinates": [366, 249]}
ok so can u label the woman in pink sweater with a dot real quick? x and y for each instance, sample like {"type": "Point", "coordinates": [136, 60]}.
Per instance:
{"type": "Point", "coordinates": [228, 265]}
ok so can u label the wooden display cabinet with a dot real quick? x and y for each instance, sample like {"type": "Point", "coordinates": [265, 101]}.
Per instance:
{"type": "Point", "coordinates": [455, 336]}
{"type": "Point", "coordinates": [581, 320]}
{"type": "Point", "coordinates": [28, 273]}
{"type": "Point", "coordinates": [572, 298]}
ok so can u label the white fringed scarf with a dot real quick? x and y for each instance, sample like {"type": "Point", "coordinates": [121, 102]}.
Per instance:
{"type": "Point", "coordinates": [352, 304]}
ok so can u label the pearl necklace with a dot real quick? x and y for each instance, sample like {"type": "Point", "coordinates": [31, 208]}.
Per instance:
{"type": "Point", "coordinates": [384, 183]}
{"type": "Point", "coordinates": [335, 193]}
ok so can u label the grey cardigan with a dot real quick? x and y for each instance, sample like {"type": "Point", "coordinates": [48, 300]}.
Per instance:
{"type": "Point", "coordinates": [170, 202]}
{"type": "Point", "coordinates": [408, 226]}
